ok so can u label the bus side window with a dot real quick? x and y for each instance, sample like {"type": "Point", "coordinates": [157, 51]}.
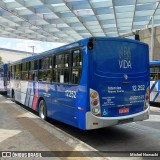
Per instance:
{"type": "Point", "coordinates": [76, 66]}
{"type": "Point", "coordinates": [61, 68]}
{"type": "Point", "coordinates": [9, 73]}
{"type": "Point", "coordinates": [45, 75]}
{"type": "Point", "coordinates": [33, 69]}
{"type": "Point", "coordinates": [154, 72]}
{"type": "Point", "coordinates": [25, 66]}
{"type": "Point", "coordinates": [45, 69]}
{"type": "Point", "coordinates": [18, 72]}
{"type": "Point", "coordinates": [155, 77]}
{"type": "Point", "coordinates": [12, 72]}
{"type": "Point", "coordinates": [76, 74]}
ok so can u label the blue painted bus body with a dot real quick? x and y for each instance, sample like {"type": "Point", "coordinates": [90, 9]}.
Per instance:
{"type": "Point", "coordinates": [3, 78]}
{"type": "Point", "coordinates": [63, 108]}
{"type": "Point", "coordinates": [117, 68]}
{"type": "Point", "coordinates": [110, 69]}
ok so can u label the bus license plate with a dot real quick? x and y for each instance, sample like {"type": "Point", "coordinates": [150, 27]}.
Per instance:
{"type": "Point", "coordinates": [123, 110]}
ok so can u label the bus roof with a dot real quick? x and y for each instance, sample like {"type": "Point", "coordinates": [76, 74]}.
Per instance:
{"type": "Point", "coordinates": [52, 51]}
{"type": "Point", "coordinates": [73, 45]}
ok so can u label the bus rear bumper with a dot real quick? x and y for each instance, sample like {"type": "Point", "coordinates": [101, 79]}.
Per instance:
{"type": "Point", "coordinates": [93, 122]}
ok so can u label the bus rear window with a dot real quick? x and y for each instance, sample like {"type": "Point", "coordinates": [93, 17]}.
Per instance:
{"type": "Point", "coordinates": [118, 57]}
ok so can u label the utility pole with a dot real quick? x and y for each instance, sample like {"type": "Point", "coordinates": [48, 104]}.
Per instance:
{"type": "Point", "coordinates": [152, 39]}
{"type": "Point", "coordinates": [32, 49]}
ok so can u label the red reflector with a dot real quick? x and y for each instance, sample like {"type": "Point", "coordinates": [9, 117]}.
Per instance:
{"type": "Point", "coordinates": [125, 82]}
{"type": "Point", "coordinates": [98, 114]}
{"type": "Point", "coordinates": [95, 123]}
{"type": "Point", "coordinates": [80, 108]}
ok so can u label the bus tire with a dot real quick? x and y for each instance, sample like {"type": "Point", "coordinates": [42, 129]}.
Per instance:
{"type": "Point", "coordinates": [42, 110]}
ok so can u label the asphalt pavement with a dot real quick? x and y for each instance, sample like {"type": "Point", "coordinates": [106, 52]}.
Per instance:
{"type": "Point", "coordinates": [23, 131]}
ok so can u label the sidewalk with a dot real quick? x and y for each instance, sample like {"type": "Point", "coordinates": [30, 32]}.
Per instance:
{"type": "Point", "coordinates": [21, 130]}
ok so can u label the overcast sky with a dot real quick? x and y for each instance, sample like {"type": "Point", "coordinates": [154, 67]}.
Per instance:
{"type": "Point", "coordinates": [24, 45]}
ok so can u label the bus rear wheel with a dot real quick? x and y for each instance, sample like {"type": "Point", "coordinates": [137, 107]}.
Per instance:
{"type": "Point", "coordinates": [42, 110]}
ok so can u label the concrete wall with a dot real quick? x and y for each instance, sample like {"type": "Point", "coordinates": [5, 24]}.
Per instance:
{"type": "Point", "coordinates": [12, 55]}
{"type": "Point", "coordinates": [145, 36]}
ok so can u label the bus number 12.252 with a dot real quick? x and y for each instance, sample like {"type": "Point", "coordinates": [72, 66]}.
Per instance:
{"type": "Point", "coordinates": [138, 87]}
{"type": "Point", "coordinates": [70, 93]}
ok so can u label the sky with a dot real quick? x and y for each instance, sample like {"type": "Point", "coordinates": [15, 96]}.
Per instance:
{"type": "Point", "coordinates": [24, 45]}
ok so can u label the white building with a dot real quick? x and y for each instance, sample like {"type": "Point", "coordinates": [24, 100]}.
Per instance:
{"type": "Point", "coordinates": [9, 55]}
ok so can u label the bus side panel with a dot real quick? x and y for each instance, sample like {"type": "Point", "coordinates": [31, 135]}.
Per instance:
{"type": "Point", "coordinates": [9, 90]}
{"type": "Point", "coordinates": [66, 99]}
{"type": "Point", "coordinates": [43, 90]}
{"type": "Point", "coordinates": [3, 78]}
{"type": "Point", "coordinates": [69, 102]}
{"type": "Point", "coordinates": [17, 90]}
{"type": "Point", "coordinates": [60, 102]}
{"type": "Point", "coordinates": [83, 94]}
{"type": "Point", "coordinates": [2, 87]}
{"type": "Point", "coordinates": [59, 107]}
{"type": "Point", "coordinates": [27, 93]}
{"type": "Point", "coordinates": [24, 92]}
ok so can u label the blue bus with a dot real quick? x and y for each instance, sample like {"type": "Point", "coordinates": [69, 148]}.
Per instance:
{"type": "Point", "coordinates": [92, 83]}
{"type": "Point", "coordinates": [3, 78]}
{"type": "Point", "coordinates": [155, 81]}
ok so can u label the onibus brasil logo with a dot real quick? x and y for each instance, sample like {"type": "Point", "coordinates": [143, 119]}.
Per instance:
{"type": "Point", "coordinates": [125, 58]}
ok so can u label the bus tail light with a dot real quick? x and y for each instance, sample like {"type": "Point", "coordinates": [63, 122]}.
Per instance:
{"type": "Point", "coordinates": [95, 103]}
{"type": "Point", "coordinates": [146, 103]}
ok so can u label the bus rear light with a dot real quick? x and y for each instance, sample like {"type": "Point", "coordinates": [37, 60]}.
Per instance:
{"type": "Point", "coordinates": [147, 94]}
{"type": "Point", "coordinates": [94, 95]}
{"type": "Point", "coordinates": [147, 91]}
{"type": "Point", "coordinates": [95, 110]}
{"type": "Point", "coordinates": [146, 103]}
{"type": "Point", "coordinates": [95, 103]}
{"type": "Point", "coordinates": [147, 97]}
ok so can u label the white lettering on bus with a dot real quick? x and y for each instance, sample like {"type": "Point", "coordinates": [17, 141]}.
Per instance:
{"type": "Point", "coordinates": [124, 57]}
{"type": "Point", "coordinates": [70, 93]}
{"type": "Point", "coordinates": [125, 64]}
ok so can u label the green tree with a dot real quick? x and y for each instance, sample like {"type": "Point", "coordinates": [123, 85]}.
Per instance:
{"type": "Point", "coordinates": [1, 62]}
